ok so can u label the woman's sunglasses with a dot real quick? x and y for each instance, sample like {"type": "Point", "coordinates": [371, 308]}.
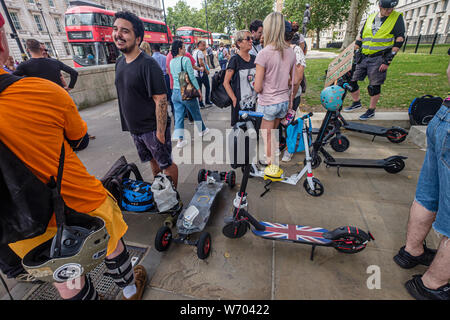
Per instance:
{"type": "Point", "coordinates": [248, 39]}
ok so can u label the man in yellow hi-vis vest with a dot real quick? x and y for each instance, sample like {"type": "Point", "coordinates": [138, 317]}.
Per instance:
{"type": "Point", "coordinates": [381, 38]}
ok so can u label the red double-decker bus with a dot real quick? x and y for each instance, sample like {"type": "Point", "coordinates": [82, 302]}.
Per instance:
{"type": "Point", "coordinates": [191, 35]}
{"type": "Point", "coordinates": [89, 31]}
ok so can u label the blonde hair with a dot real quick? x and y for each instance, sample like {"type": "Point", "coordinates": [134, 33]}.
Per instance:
{"type": "Point", "coordinates": [274, 29]}
{"type": "Point", "coordinates": [239, 36]}
{"type": "Point", "coordinates": [145, 46]}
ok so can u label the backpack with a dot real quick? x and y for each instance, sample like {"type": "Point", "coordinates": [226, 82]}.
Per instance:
{"type": "Point", "coordinates": [221, 55]}
{"type": "Point", "coordinates": [294, 136]}
{"type": "Point", "coordinates": [131, 195]}
{"type": "Point", "coordinates": [219, 95]}
{"type": "Point", "coordinates": [423, 109]}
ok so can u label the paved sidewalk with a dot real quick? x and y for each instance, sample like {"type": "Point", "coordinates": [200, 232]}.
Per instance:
{"type": "Point", "coordinates": [253, 268]}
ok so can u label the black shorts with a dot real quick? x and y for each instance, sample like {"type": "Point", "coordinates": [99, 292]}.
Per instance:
{"type": "Point", "coordinates": [369, 67]}
{"type": "Point", "coordinates": [149, 147]}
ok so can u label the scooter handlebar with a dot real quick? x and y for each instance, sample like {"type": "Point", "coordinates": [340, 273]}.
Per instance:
{"type": "Point", "coordinates": [245, 114]}
{"type": "Point", "coordinates": [347, 86]}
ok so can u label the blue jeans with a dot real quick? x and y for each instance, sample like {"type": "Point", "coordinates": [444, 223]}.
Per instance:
{"type": "Point", "coordinates": [169, 91]}
{"type": "Point", "coordinates": [434, 181]}
{"type": "Point", "coordinates": [223, 64]}
{"type": "Point", "coordinates": [180, 107]}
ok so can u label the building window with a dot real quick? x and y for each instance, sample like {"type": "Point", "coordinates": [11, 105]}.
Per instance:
{"type": "Point", "coordinates": [15, 20]}
{"type": "Point", "coordinates": [31, 1]}
{"type": "Point", "coordinates": [430, 23]}
{"type": "Point", "coordinates": [438, 22]}
{"type": "Point", "coordinates": [445, 5]}
{"type": "Point", "coordinates": [414, 28]}
{"type": "Point", "coordinates": [67, 48]}
{"type": "Point", "coordinates": [58, 24]}
{"type": "Point", "coordinates": [51, 3]}
{"type": "Point", "coordinates": [49, 47]}
{"type": "Point", "coordinates": [435, 7]}
{"type": "Point", "coordinates": [37, 19]}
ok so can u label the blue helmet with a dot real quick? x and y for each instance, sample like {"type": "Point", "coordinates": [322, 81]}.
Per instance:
{"type": "Point", "coordinates": [331, 97]}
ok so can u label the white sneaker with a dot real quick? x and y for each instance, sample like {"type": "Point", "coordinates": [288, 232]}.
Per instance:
{"type": "Point", "coordinates": [287, 156]}
{"type": "Point", "coordinates": [204, 132]}
{"type": "Point", "coordinates": [181, 144]}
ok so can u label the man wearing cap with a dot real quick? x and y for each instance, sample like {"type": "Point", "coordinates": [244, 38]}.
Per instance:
{"type": "Point", "coordinates": [381, 38]}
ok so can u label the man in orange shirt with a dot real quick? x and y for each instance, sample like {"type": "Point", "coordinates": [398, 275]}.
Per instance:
{"type": "Point", "coordinates": [37, 117]}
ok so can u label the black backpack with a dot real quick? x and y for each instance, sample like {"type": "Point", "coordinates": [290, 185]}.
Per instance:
{"type": "Point", "coordinates": [423, 109]}
{"type": "Point", "coordinates": [219, 95]}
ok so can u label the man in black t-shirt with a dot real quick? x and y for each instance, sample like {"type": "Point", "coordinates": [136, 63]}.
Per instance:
{"type": "Point", "coordinates": [142, 95]}
{"type": "Point", "coordinates": [41, 67]}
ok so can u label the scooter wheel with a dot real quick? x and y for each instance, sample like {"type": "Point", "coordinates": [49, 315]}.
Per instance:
{"type": "Point", "coordinates": [204, 245]}
{"type": "Point", "coordinates": [339, 144]}
{"type": "Point", "coordinates": [315, 162]}
{"type": "Point", "coordinates": [318, 188]}
{"type": "Point", "coordinates": [351, 242]}
{"type": "Point", "coordinates": [163, 239]}
{"type": "Point", "coordinates": [395, 166]}
{"type": "Point", "coordinates": [396, 135]}
{"type": "Point", "coordinates": [231, 179]}
{"type": "Point", "coordinates": [201, 175]}
{"type": "Point", "coordinates": [235, 229]}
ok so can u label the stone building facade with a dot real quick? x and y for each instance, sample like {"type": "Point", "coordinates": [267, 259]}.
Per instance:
{"type": "Point", "coordinates": [31, 18]}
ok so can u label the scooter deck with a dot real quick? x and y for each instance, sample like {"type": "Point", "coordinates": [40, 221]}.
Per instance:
{"type": "Point", "coordinates": [365, 128]}
{"type": "Point", "coordinates": [361, 163]}
{"type": "Point", "coordinates": [293, 233]}
{"type": "Point", "coordinates": [202, 200]}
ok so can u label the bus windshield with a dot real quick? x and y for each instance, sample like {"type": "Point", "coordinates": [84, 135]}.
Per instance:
{"type": "Point", "coordinates": [89, 54]}
{"type": "Point", "coordinates": [184, 33]}
{"type": "Point", "coordinates": [89, 19]}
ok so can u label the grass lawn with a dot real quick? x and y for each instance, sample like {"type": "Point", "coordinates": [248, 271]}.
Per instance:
{"type": "Point", "coordinates": [399, 89]}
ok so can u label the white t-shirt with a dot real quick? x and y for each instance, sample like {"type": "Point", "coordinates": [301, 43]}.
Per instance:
{"type": "Point", "coordinates": [299, 60]}
{"type": "Point", "coordinates": [197, 56]}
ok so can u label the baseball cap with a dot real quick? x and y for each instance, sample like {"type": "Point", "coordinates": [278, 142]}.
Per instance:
{"type": "Point", "coordinates": [2, 21]}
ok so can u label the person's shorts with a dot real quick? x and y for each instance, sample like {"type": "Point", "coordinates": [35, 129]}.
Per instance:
{"type": "Point", "coordinates": [434, 181]}
{"type": "Point", "coordinates": [274, 111]}
{"type": "Point", "coordinates": [149, 147]}
{"type": "Point", "coordinates": [369, 67]}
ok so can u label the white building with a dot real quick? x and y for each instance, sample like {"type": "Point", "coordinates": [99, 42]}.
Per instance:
{"type": "Point", "coordinates": [31, 18]}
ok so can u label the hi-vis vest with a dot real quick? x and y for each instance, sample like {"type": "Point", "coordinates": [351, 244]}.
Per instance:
{"type": "Point", "coordinates": [383, 39]}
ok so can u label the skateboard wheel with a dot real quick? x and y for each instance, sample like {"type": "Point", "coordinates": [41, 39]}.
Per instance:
{"type": "Point", "coordinates": [163, 239]}
{"type": "Point", "coordinates": [231, 178]}
{"type": "Point", "coordinates": [204, 245]}
{"type": "Point", "coordinates": [201, 175]}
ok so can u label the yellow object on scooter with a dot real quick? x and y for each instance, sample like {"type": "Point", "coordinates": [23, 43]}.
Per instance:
{"type": "Point", "coordinates": [273, 172]}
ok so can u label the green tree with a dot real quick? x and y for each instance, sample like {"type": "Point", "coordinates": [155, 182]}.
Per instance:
{"type": "Point", "coordinates": [183, 15]}
{"type": "Point", "coordinates": [324, 14]}
{"type": "Point", "coordinates": [357, 9]}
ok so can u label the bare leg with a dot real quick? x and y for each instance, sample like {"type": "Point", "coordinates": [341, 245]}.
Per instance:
{"type": "Point", "coordinates": [172, 172]}
{"type": "Point", "coordinates": [419, 225]}
{"type": "Point", "coordinates": [438, 274]}
{"type": "Point", "coordinates": [374, 101]}
{"type": "Point", "coordinates": [356, 96]}
{"type": "Point", "coordinates": [267, 127]}
{"type": "Point", "coordinates": [68, 290]}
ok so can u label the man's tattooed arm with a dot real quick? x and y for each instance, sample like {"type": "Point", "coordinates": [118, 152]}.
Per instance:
{"type": "Point", "coordinates": [161, 115]}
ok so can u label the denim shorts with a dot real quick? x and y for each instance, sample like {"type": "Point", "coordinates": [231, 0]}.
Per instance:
{"type": "Point", "coordinates": [274, 111]}
{"type": "Point", "coordinates": [434, 181]}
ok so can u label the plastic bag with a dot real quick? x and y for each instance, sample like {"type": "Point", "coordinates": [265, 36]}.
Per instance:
{"type": "Point", "coordinates": [164, 193]}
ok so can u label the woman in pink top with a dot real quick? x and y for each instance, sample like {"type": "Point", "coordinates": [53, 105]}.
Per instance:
{"type": "Point", "coordinates": [274, 65]}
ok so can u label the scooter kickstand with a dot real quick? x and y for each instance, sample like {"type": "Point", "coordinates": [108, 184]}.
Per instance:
{"type": "Point", "coordinates": [373, 139]}
{"type": "Point", "coordinates": [312, 252]}
{"type": "Point", "coordinates": [338, 171]}
{"type": "Point", "coordinates": [266, 187]}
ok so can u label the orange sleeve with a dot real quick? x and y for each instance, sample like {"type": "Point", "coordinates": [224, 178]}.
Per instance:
{"type": "Point", "coordinates": [75, 128]}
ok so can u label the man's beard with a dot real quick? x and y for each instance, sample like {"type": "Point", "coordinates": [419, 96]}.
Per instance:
{"type": "Point", "coordinates": [127, 49]}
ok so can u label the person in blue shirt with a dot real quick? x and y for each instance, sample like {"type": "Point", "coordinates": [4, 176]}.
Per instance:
{"type": "Point", "coordinates": [161, 59]}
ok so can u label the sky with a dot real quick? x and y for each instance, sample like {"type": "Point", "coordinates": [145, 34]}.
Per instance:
{"type": "Point", "coordinates": [192, 3]}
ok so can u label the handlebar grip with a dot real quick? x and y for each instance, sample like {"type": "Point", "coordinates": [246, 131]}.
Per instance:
{"type": "Point", "coordinates": [347, 86]}
{"type": "Point", "coordinates": [309, 115]}
{"type": "Point", "coordinates": [245, 114]}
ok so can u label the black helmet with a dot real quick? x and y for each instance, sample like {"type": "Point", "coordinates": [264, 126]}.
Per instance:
{"type": "Point", "coordinates": [388, 3]}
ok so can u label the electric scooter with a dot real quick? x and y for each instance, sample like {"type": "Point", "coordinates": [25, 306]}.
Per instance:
{"type": "Point", "coordinates": [346, 239]}
{"type": "Point", "coordinates": [328, 129]}
{"type": "Point", "coordinates": [340, 143]}
{"type": "Point", "coordinates": [312, 185]}
{"type": "Point", "coordinates": [195, 217]}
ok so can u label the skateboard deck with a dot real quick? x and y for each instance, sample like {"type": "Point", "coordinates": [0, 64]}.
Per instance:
{"type": "Point", "coordinates": [199, 209]}
{"type": "Point", "coordinates": [293, 233]}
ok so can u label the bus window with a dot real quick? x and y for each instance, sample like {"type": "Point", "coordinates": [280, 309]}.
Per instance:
{"type": "Point", "coordinates": [111, 52]}
{"type": "Point", "coordinates": [184, 33]}
{"type": "Point", "coordinates": [83, 53]}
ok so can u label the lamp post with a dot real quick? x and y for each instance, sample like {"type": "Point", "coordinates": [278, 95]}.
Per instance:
{"type": "Point", "coordinates": [14, 34]}
{"type": "Point", "coordinates": [165, 21]}
{"type": "Point", "coordinates": [206, 16]}
{"type": "Point", "coordinates": [39, 5]}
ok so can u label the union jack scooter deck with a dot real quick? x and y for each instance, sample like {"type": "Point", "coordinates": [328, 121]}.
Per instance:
{"type": "Point", "coordinates": [293, 233]}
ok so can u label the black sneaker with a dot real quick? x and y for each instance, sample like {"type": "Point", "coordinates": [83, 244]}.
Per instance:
{"type": "Point", "coordinates": [354, 106]}
{"type": "Point", "coordinates": [370, 113]}
{"type": "Point", "coordinates": [417, 289]}
{"type": "Point", "coordinates": [407, 261]}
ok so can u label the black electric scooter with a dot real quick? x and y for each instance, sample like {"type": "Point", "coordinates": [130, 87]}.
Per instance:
{"type": "Point", "coordinates": [326, 133]}
{"type": "Point", "coordinates": [340, 143]}
{"type": "Point", "coordinates": [346, 239]}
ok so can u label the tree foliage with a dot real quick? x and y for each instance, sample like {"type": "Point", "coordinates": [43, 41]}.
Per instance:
{"type": "Point", "coordinates": [357, 9]}
{"type": "Point", "coordinates": [324, 13]}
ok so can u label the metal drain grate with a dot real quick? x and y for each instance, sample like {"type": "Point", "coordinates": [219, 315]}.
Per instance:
{"type": "Point", "coordinates": [104, 285]}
